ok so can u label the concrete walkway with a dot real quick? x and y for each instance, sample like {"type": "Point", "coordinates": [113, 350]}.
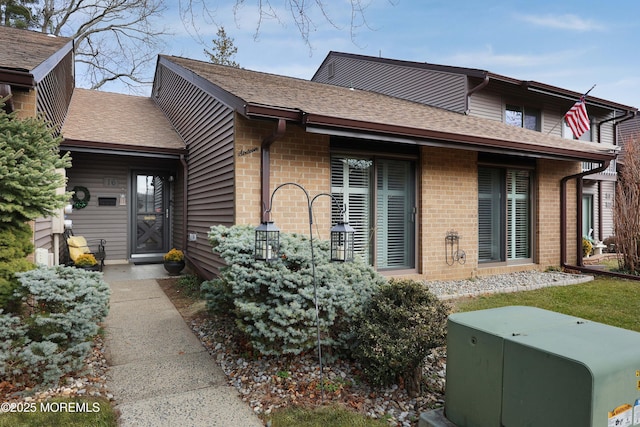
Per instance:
{"type": "Point", "coordinates": [160, 373]}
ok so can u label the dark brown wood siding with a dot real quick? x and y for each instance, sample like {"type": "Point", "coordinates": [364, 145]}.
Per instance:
{"type": "Point", "coordinates": [55, 91]}
{"type": "Point", "coordinates": [207, 127]}
{"type": "Point", "coordinates": [431, 87]}
{"type": "Point", "coordinates": [53, 95]}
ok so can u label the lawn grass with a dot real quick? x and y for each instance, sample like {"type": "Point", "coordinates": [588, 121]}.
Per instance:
{"type": "Point", "coordinates": [615, 302]}
{"type": "Point", "coordinates": [334, 416]}
{"type": "Point", "coordinates": [83, 413]}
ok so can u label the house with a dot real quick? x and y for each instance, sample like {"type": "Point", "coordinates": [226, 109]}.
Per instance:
{"type": "Point", "coordinates": [36, 74]}
{"type": "Point", "coordinates": [127, 160]}
{"type": "Point", "coordinates": [432, 193]}
{"type": "Point", "coordinates": [480, 93]}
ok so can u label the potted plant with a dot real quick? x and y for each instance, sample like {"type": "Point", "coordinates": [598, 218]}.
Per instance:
{"type": "Point", "coordinates": [174, 261]}
{"type": "Point", "coordinates": [87, 261]}
{"type": "Point", "coordinates": [587, 247]}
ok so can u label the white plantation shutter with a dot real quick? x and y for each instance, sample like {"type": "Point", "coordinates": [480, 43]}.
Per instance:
{"type": "Point", "coordinates": [352, 187]}
{"type": "Point", "coordinates": [518, 214]}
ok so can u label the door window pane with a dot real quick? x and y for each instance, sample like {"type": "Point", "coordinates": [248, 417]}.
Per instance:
{"type": "Point", "coordinates": [150, 214]}
{"type": "Point", "coordinates": [504, 214]}
{"type": "Point", "coordinates": [490, 215]}
{"type": "Point", "coordinates": [396, 216]}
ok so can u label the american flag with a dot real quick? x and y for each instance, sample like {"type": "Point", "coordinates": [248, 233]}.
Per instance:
{"type": "Point", "coordinates": [577, 118]}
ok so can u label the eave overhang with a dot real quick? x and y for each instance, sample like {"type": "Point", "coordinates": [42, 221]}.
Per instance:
{"type": "Point", "coordinates": [28, 79]}
{"type": "Point", "coordinates": [121, 149]}
{"type": "Point", "coordinates": [329, 125]}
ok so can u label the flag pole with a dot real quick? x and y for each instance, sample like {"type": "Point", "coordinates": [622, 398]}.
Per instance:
{"type": "Point", "coordinates": [587, 92]}
{"type": "Point", "coordinates": [559, 121]}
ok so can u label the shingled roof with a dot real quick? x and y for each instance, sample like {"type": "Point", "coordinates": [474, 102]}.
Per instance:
{"type": "Point", "coordinates": [29, 55]}
{"type": "Point", "coordinates": [336, 110]}
{"type": "Point", "coordinates": [114, 121]}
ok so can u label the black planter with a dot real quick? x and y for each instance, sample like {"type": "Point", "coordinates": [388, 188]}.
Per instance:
{"type": "Point", "coordinates": [174, 267]}
{"type": "Point", "coordinates": [89, 267]}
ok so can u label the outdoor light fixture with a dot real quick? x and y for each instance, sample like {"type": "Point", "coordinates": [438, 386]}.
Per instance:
{"type": "Point", "coordinates": [342, 235]}
{"type": "Point", "coordinates": [267, 246]}
{"type": "Point", "coordinates": [267, 242]}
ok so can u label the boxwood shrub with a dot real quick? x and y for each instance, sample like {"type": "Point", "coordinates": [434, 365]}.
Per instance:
{"type": "Point", "coordinates": [397, 329]}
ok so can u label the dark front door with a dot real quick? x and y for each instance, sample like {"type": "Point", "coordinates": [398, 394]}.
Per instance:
{"type": "Point", "coordinates": [151, 216]}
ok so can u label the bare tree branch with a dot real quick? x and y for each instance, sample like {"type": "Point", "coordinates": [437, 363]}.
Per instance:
{"type": "Point", "coordinates": [107, 33]}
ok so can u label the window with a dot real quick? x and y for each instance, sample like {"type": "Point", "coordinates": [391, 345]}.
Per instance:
{"type": "Point", "coordinates": [587, 215]}
{"type": "Point", "coordinates": [568, 134]}
{"type": "Point", "coordinates": [379, 199]}
{"type": "Point", "coordinates": [525, 117]}
{"type": "Point", "coordinates": [504, 214]}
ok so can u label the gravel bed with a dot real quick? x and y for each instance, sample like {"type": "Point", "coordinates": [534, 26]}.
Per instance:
{"type": "Point", "coordinates": [512, 282]}
{"type": "Point", "coordinates": [267, 383]}
{"type": "Point", "coordinates": [89, 381]}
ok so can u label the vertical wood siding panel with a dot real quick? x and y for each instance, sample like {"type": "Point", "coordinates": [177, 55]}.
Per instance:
{"type": "Point", "coordinates": [206, 125]}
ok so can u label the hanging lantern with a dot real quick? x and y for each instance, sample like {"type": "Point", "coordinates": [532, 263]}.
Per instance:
{"type": "Point", "coordinates": [267, 244]}
{"type": "Point", "coordinates": [342, 235]}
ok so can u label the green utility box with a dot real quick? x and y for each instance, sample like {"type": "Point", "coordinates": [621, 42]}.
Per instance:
{"type": "Point", "coordinates": [524, 366]}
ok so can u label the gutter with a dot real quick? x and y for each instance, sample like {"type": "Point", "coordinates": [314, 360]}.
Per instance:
{"type": "Point", "coordinates": [627, 116]}
{"type": "Point", "coordinates": [265, 166]}
{"type": "Point", "coordinates": [563, 215]}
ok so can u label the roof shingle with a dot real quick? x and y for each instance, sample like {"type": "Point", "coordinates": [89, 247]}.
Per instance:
{"type": "Point", "coordinates": [114, 118]}
{"type": "Point", "coordinates": [377, 111]}
{"type": "Point", "coordinates": [25, 50]}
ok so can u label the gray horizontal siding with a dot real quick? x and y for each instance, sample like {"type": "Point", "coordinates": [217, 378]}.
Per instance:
{"type": "Point", "coordinates": [206, 126]}
{"type": "Point", "coordinates": [108, 222]}
{"type": "Point", "coordinates": [436, 88]}
{"type": "Point", "coordinates": [42, 233]}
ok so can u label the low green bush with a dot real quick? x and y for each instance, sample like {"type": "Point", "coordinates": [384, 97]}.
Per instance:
{"type": "Point", "coordinates": [15, 245]}
{"type": "Point", "coordinates": [273, 302]}
{"type": "Point", "coordinates": [53, 334]}
{"type": "Point", "coordinates": [398, 327]}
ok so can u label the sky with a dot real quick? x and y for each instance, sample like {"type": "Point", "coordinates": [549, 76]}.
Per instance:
{"type": "Point", "coordinates": [570, 44]}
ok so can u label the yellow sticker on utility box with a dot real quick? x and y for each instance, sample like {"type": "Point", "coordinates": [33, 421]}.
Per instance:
{"type": "Point", "coordinates": [622, 416]}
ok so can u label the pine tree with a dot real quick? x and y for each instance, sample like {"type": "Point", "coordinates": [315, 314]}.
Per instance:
{"type": "Point", "coordinates": [223, 50]}
{"type": "Point", "coordinates": [29, 157]}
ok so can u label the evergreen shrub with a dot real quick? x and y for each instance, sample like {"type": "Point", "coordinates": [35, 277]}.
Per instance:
{"type": "Point", "coordinates": [15, 245]}
{"type": "Point", "coordinates": [397, 329]}
{"type": "Point", "coordinates": [273, 302]}
{"type": "Point", "coordinates": [53, 333]}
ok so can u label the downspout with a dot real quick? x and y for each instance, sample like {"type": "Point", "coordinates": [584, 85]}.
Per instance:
{"type": "Point", "coordinates": [265, 167]}
{"type": "Point", "coordinates": [474, 90]}
{"type": "Point", "coordinates": [628, 115]}
{"type": "Point", "coordinates": [563, 214]}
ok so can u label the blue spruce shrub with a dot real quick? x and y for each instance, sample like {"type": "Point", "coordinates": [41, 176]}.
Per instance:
{"type": "Point", "coordinates": [273, 302]}
{"type": "Point", "coordinates": [52, 335]}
